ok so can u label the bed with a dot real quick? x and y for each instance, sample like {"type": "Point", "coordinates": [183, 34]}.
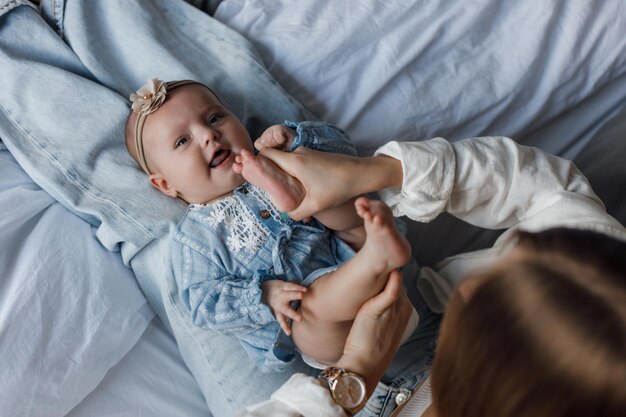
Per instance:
{"type": "Point", "coordinates": [82, 335]}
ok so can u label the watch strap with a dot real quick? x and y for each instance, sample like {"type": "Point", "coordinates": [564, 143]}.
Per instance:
{"type": "Point", "coordinates": [330, 375]}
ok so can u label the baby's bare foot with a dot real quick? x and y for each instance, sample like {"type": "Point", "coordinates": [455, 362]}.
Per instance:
{"type": "Point", "coordinates": [386, 247]}
{"type": "Point", "coordinates": [285, 191]}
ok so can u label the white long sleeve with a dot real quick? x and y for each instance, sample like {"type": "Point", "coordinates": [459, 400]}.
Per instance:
{"type": "Point", "coordinates": [490, 182]}
{"type": "Point", "coordinates": [300, 396]}
{"type": "Point", "coordinates": [493, 182]}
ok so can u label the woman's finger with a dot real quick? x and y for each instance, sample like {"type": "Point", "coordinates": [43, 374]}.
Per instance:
{"type": "Point", "coordinates": [387, 297]}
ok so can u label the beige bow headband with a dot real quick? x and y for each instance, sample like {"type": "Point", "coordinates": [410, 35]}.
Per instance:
{"type": "Point", "coordinates": [147, 100]}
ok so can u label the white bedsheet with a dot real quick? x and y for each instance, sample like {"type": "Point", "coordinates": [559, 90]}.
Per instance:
{"type": "Point", "coordinates": [151, 380]}
{"type": "Point", "coordinates": [417, 69]}
{"type": "Point", "coordinates": [77, 336]}
{"type": "Point", "coordinates": [69, 309]}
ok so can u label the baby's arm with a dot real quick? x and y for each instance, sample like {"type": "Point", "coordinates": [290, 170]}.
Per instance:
{"type": "Point", "coordinates": [216, 298]}
{"type": "Point", "coordinates": [276, 137]}
{"type": "Point", "coordinates": [229, 303]}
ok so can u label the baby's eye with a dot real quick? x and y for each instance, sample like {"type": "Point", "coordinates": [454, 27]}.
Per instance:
{"type": "Point", "coordinates": [180, 142]}
{"type": "Point", "coordinates": [214, 118]}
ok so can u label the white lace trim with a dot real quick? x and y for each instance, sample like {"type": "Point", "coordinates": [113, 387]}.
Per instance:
{"type": "Point", "coordinates": [14, 3]}
{"type": "Point", "coordinates": [244, 233]}
{"type": "Point", "coordinates": [243, 229]}
{"type": "Point", "coordinates": [267, 203]}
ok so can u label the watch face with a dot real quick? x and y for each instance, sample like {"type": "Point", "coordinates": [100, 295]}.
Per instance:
{"type": "Point", "coordinates": [349, 391]}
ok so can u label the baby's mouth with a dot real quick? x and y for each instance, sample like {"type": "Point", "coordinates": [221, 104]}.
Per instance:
{"type": "Point", "coordinates": [220, 156]}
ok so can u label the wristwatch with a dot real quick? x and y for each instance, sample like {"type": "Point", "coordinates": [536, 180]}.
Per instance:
{"type": "Point", "coordinates": [347, 388]}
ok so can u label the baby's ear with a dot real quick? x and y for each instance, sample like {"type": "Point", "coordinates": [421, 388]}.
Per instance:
{"type": "Point", "coordinates": [163, 185]}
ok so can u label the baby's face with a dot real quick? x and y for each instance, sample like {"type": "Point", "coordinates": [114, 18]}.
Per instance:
{"type": "Point", "coordinates": [190, 144]}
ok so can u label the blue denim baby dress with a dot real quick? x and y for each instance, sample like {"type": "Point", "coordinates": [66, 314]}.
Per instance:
{"type": "Point", "coordinates": [222, 252]}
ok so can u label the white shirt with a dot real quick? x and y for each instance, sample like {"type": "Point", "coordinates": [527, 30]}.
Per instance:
{"type": "Point", "coordinates": [490, 182]}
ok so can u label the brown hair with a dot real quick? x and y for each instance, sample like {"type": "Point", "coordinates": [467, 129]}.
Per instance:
{"type": "Point", "coordinates": [542, 336]}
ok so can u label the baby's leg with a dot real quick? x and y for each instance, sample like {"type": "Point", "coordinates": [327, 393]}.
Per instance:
{"type": "Point", "coordinates": [285, 191]}
{"type": "Point", "coordinates": [321, 341]}
{"type": "Point", "coordinates": [345, 222]}
{"type": "Point", "coordinates": [364, 275]}
{"type": "Point", "coordinates": [332, 302]}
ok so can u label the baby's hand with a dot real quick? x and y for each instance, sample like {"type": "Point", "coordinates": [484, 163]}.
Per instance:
{"type": "Point", "coordinates": [278, 137]}
{"type": "Point", "coordinates": [277, 295]}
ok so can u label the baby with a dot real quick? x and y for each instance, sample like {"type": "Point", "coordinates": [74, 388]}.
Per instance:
{"type": "Point", "coordinates": [238, 263]}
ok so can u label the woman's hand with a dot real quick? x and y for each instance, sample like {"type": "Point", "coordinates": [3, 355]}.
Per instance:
{"type": "Point", "coordinates": [278, 295]}
{"type": "Point", "coordinates": [376, 333]}
{"type": "Point", "coordinates": [331, 179]}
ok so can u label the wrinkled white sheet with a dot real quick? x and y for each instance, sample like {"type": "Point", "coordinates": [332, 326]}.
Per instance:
{"type": "Point", "coordinates": [69, 309]}
{"type": "Point", "coordinates": [76, 333]}
{"type": "Point", "coordinates": [417, 69]}
{"type": "Point", "coordinates": [151, 380]}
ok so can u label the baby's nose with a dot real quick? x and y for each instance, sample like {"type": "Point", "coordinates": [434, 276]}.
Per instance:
{"type": "Point", "coordinates": [211, 135]}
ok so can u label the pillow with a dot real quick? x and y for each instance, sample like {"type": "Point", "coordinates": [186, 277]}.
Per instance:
{"type": "Point", "coordinates": [69, 309]}
{"type": "Point", "coordinates": [63, 111]}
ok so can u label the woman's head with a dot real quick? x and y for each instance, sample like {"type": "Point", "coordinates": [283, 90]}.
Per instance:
{"type": "Point", "coordinates": [186, 140]}
{"type": "Point", "coordinates": [543, 334]}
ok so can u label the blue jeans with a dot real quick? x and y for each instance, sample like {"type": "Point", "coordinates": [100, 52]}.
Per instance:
{"type": "Point", "coordinates": [66, 78]}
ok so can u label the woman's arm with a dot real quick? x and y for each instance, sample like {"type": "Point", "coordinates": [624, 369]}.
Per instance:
{"type": "Point", "coordinates": [332, 179]}
{"type": "Point", "coordinates": [490, 182]}
{"type": "Point", "coordinates": [301, 395]}
{"type": "Point", "coordinates": [493, 182]}
{"type": "Point", "coordinates": [370, 347]}
{"type": "Point", "coordinates": [376, 333]}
